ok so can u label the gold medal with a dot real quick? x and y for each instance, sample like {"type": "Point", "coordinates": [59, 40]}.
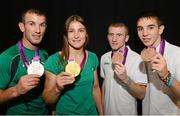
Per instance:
{"type": "Point", "coordinates": [73, 68]}
{"type": "Point", "coordinates": [147, 54]}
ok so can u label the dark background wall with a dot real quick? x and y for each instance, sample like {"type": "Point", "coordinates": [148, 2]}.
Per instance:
{"type": "Point", "coordinates": [97, 13]}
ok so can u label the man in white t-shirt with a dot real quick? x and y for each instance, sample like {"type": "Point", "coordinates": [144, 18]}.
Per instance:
{"type": "Point", "coordinates": [163, 69]}
{"type": "Point", "coordinates": [123, 82]}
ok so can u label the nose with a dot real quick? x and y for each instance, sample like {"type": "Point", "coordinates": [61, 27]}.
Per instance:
{"type": "Point", "coordinates": [114, 37]}
{"type": "Point", "coordinates": [76, 34]}
{"type": "Point", "coordinates": [38, 29]}
{"type": "Point", "coordinates": [144, 32]}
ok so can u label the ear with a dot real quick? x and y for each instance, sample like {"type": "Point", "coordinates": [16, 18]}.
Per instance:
{"type": "Point", "coordinates": [161, 29]}
{"type": "Point", "coordinates": [21, 26]}
{"type": "Point", "coordinates": [127, 38]}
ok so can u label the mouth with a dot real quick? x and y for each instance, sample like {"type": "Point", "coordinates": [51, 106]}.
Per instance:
{"type": "Point", "coordinates": [146, 40]}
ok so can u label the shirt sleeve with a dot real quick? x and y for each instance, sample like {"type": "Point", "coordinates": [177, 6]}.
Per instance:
{"type": "Point", "coordinates": [101, 67]}
{"type": "Point", "coordinates": [52, 64]}
{"type": "Point", "coordinates": [4, 72]}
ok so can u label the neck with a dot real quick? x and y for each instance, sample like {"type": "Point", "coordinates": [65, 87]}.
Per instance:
{"type": "Point", "coordinates": [120, 49]}
{"type": "Point", "coordinates": [157, 42]}
{"type": "Point", "coordinates": [28, 45]}
{"type": "Point", "coordinates": [76, 53]}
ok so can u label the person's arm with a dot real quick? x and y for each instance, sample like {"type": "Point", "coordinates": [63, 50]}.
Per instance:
{"type": "Point", "coordinates": [50, 92]}
{"type": "Point", "coordinates": [102, 94]}
{"type": "Point", "coordinates": [25, 84]}
{"type": "Point", "coordinates": [135, 89]}
{"type": "Point", "coordinates": [159, 64]}
{"type": "Point", "coordinates": [97, 94]}
{"type": "Point", "coordinates": [54, 84]}
{"type": "Point", "coordinates": [176, 88]}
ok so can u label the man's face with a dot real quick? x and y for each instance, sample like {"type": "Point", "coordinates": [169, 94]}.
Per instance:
{"type": "Point", "coordinates": [149, 31]}
{"type": "Point", "coordinates": [33, 28]}
{"type": "Point", "coordinates": [117, 37]}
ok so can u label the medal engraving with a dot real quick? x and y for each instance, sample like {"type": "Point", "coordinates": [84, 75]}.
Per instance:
{"type": "Point", "coordinates": [73, 68]}
{"type": "Point", "coordinates": [148, 53]}
{"type": "Point", "coordinates": [35, 68]}
{"type": "Point", "coordinates": [118, 57]}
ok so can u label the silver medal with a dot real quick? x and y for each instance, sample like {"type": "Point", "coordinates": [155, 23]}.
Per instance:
{"type": "Point", "coordinates": [35, 68]}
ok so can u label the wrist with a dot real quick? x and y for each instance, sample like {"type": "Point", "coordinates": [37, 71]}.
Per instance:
{"type": "Point", "coordinates": [58, 88]}
{"type": "Point", "coordinates": [168, 79]}
{"type": "Point", "coordinates": [15, 91]}
{"type": "Point", "coordinates": [128, 81]}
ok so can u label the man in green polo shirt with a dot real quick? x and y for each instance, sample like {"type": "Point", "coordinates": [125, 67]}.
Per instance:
{"type": "Point", "coordinates": [21, 69]}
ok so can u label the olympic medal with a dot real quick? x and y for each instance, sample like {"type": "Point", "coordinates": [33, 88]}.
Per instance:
{"type": "Point", "coordinates": [118, 57]}
{"type": "Point", "coordinates": [73, 68]}
{"type": "Point", "coordinates": [148, 53]}
{"type": "Point", "coordinates": [35, 68]}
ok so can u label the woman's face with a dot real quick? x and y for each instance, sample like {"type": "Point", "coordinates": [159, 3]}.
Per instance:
{"type": "Point", "coordinates": [76, 35]}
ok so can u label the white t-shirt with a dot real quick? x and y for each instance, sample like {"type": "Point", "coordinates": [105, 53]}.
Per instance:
{"type": "Point", "coordinates": [159, 99]}
{"type": "Point", "coordinates": [117, 99]}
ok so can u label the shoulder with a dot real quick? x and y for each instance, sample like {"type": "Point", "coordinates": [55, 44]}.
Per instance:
{"type": "Point", "coordinates": [9, 54]}
{"type": "Point", "coordinates": [132, 53]}
{"type": "Point", "coordinates": [54, 56]}
{"type": "Point", "coordinates": [106, 55]}
{"type": "Point", "coordinates": [92, 55]}
{"type": "Point", "coordinates": [171, 49]}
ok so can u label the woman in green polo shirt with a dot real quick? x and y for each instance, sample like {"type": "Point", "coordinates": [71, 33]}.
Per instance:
{"type": "Point", "coordinates": [73, 93]}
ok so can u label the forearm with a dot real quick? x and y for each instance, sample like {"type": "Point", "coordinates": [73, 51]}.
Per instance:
{"type": "Point", "coordinates": [176, 88]}
{"type": "Point", "coordinates": [51, 96]}
{"type": "Point", "coordinates": [8, 94]}
{"type": "Point", "coordinates": [98, 100]}
{"type": "Point", "coordinates": [136, 90]}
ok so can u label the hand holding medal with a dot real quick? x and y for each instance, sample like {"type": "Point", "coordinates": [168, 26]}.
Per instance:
{"type": "Point", "coordinates": [35, 67]}
{"type": "Point", "coordinates": [148, 53]}
{"type": "Point", "coordinates": [74, 68]}
{"type": "Point", "coordinates": [118, 57]}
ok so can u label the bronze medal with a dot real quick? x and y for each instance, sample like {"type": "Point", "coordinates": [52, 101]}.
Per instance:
{"type": "Point", "coordinates": [148, 53]}
{"type": "Point", "coordinates": [118, 57]}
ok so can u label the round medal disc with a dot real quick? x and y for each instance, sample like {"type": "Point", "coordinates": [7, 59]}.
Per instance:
{"type": "Point", "coordinates": [73, 68]}
{"type": "Point", "coordinates": [118, 57]}
{"type": "Point", "coordinates": [35, 68]}
{"type": "Point", "coordinates": [147, 54]}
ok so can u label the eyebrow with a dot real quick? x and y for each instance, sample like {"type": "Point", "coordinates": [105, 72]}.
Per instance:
{"type": "Point", "coordinates": [151, 25]}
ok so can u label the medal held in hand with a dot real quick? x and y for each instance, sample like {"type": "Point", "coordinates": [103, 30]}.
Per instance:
{"type": "Point", "coordinates": [35, 67]}
{"type": "Point", "coordinates": [118, 57]}
{"type": "Point", "coordinates": [73, 68]}
{"type": "Point", "coordinates": [148, 53]}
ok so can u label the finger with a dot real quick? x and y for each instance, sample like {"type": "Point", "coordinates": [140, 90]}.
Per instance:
{"type": "Point", "coordinates": [33, 75]}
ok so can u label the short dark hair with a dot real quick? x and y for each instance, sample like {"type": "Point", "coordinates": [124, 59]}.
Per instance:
{"type": "Point", "coordinates": [32, 10]}
{"type": "Point", "coordinates": [151, 14]}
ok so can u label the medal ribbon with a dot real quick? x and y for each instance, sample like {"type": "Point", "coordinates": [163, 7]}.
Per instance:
{"type": "Point", "coordinates": [83, 60]}
{"type": "Point", "coordinates": [162, 47]}
{"type": "Point", "coordinates": [24, 58]}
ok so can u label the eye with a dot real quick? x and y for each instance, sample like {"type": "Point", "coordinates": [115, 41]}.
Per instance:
{"type": "Point", "coordinates": [70, 31]}
{"type": "Point", "coordinates": [139, 29]}
{"type": "Point", "coordinates": [119, 35]}
{"type": "Point", "coordinates": [31, 23]}
{"type": "Point", "coordinates": [43, 25]}
{"type": "Point", "coordinates": [82, 30]}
